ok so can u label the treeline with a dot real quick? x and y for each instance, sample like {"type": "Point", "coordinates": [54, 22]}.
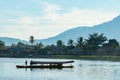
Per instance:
{"type": "Point", "coordinates": [95, 44]}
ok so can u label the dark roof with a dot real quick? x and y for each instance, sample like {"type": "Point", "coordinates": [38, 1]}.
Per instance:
{"type": "Point", "coordinates": [51, 62]}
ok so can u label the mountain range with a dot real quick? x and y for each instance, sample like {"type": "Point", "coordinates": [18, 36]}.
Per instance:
{"type": "Point", "coordinates": [10, 41]}
{"type": "Point", "coordinates": [110, 29]}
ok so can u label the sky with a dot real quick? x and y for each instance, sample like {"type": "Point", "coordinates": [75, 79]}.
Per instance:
{"type": "Point", "coordinates": [47, 18]}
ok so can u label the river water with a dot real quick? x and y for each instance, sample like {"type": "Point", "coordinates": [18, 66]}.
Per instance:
{"type": "Point", "coordinates": [83, 70]}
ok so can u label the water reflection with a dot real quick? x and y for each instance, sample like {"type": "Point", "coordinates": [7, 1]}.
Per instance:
{"type": "Point", "coordinates": [39, 69]}
{"type": "Point", "coordinates": [100, 70]}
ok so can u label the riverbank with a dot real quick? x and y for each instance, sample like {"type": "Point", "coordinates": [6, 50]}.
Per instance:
{"type": "Point", "coordinates": [107, 58]}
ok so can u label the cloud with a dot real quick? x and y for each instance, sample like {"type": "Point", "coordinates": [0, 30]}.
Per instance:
{"type": "Point", "coordinates": [48, 7]}
{"type": "Point", "coordinates": [78, 17]}
{"type": "Point", "coordinates": [52, 22]}
{"type": "Point", "coordinates": [75, 16]}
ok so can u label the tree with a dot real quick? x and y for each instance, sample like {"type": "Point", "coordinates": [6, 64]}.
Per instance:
{"type": "Point", "coordinates": [2, 45]}
{"type": "Point", "coordinates": [39, 46]}
{"type": "Point", "coordinates": [21, 45]}
{"type": "Point", "coordinates": [13, 46]}
{"type": "Point", "coordinates": [59, 43]}
{"type": "Point", "coordinates": [80, 42]}
{"type": "Point", "coordinates": [94, 41]}
{"type": "Point", "coordinates": [70, 42]}
{"type": "Point", "coordinates": [113, 43]}
{"type": "Point", "coordinates": [32, 41]}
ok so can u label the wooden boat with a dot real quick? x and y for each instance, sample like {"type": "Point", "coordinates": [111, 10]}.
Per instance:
{"type": "Point", "coordinates": [40, 64]}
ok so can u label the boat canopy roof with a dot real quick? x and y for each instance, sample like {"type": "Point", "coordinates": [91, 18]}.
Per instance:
{"type": "Point", "coordinates": [51, 62]}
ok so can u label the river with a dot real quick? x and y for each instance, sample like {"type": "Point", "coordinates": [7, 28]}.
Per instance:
{"type": "Point", "coordinates": [83, 70]}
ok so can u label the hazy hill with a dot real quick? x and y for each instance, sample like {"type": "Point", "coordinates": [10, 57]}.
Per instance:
{"type": "Point", "coordinates": [10, 41]}
{"type": "Point", "coordinates": [111, 29]}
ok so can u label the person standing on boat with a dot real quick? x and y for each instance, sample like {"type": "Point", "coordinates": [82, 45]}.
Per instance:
{"type": "Point", "coordinates": [26, 62]}
{"type": "Point", "coordinates": [31, 63]}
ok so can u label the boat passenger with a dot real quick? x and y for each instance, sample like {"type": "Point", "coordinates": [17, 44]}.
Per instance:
{"type": "Point", "coordinates": [26, 62]}
{"type": "Point", "coordinates": [31, 62]}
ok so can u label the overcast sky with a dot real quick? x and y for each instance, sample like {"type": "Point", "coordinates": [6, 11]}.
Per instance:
{"type": "Point", "coordinates": [47, 18]}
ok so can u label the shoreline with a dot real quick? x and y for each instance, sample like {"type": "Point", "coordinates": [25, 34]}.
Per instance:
{"type": "Point", "coordinates": [77, 57]}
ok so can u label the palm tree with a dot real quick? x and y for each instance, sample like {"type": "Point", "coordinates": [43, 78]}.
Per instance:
{"type": "Point", "coordinates": [59, 43]}
{"type": "Point", "coordinates": [93, 42]}
{"type": "Point", "coordinates": [96, 40]}
{"type": "Point", "coordinates": [32, 40]}
{"type": "Point", "coordinates": [70, 42]}
{"type": "Point", "coordinates": [80, 42]}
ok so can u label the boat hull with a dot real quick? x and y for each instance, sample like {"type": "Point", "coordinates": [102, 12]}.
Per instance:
{"type": "Point", "coordinates": [42, 66]}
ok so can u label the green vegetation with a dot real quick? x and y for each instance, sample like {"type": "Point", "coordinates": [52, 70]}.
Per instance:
{"type": "Point", "coordinates": [95, 47]}
{"type": "Point", "coordinates": [2, 45]}
{"type": "Point", "coordinates": [108, 58]}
